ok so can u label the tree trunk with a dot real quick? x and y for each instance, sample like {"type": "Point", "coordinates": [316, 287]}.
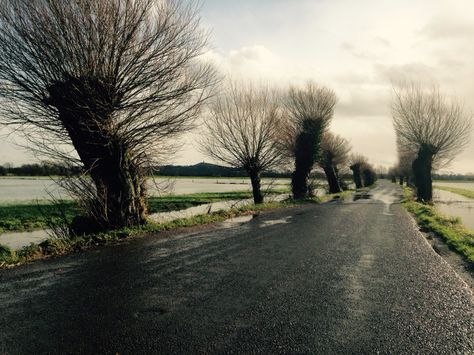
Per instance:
{"type": "Point", "coordinates": [401, 180]}
{"type": "Point", "coordinates": [422, 167]}
{"type": "Point", "coordinates": [306, 153]}
{"type": "Point", "coordinates": [299, 184]}
{"type": "Point", "coordinates": [256, 189]}
{"type": "Point", "coordinates": [332, 179]}
{"type": "Point", "coordinates": [84, 109]}
{"type": "Point", "coordinates": [342, 183]}
{"type": "Point", "coordinates": [356, 176]}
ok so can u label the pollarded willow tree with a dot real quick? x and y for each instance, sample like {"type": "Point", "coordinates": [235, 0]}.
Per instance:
{"type": "Point", "coordinates": [432, 127]}
{"type": "Point", "coordinates": [241, 130]}
{"type": "Point", "coordinates": [357, 162]}
{"type": "Point", "coordinates": [309, 112]}
{"type": "Point", "coordinates": [105, 83]}
{"type": "Point", "coordinates": [334, 154]}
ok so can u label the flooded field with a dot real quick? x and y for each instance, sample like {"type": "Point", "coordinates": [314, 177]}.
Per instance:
{"type": "Point", "coordinates": [455, 205]}
{"type": "Point", "coordinates": [467, 185]}
{"type": "Point", "coordinates": [23, 189]}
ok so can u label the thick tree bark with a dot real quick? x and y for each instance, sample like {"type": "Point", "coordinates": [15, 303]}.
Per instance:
{"type": "Point", "coordinates": [402, 178]}
{"type": "Point", "coordinates": [342, 183]}
{"type": "Point", "coordinates": [306, 153]}
{"type": "Point", "coordinates": [422, 167]}
{"type": "Point", "coordinates": [256, 188]}
{"type": "Point", "coordinates": [85, 111]}
{"type": "Point", "coordinates": [332, 179]}
{"type": "Point", "coordinates": [356, 176]}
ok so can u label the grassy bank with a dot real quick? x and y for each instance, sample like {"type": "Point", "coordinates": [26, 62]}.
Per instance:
{"type": "Point", "coordinates": [449, 229]}
{"type": "Point", "coordinates": [56, 247]}
{"type": "Point", "coordinates": [463, 192]}
{"type": "Point", "coordinates": [27, 216]}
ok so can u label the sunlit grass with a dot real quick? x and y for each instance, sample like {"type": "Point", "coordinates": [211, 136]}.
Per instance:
{"type": "Point", "coordinates": [449, 229]}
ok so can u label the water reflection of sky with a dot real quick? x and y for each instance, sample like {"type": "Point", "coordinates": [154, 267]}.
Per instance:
{"type": "Point", "coordinates": [13, 189]}
{"type": "Point", "coordinates": [455, 205]}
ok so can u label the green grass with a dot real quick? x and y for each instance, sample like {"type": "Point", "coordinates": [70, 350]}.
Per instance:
{"type": "Point", "coordinates": [28, 216]}
{"type": "Point", "coordinates": [456, 190]}
{"type": "Point", "coordinates": [56, 247]}
{"type": "Point", "coordinates": [449, 229]}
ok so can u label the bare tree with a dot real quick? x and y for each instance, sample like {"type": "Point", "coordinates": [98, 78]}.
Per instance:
{"type": "Point", "coordinates": [105, 84]}
{"type": "Point", "coordinates": [241, 130]}
{"type": "Point", "coordinates": [334, 153]}
{"type": "Point", "coordinates": [309, 112]}
{"type": "Point", "coordinates": [433, 127]}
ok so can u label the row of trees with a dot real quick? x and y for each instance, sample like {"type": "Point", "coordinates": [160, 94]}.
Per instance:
{"type": "Point", "coordinates": [107, 85]}
{"type": "Point", "coordinates": [258, 129]}
{"type": "Point", "coordinates": [431, 128]}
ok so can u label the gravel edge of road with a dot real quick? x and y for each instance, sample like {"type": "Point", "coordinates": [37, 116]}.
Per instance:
{"type": "Point", "coordinates": [452, 259]}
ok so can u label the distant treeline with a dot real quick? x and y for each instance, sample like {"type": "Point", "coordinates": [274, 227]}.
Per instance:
{"type": "Point", "coordinates": [201, 169]}
{"type": "Point", "coordinates": [43, 169]}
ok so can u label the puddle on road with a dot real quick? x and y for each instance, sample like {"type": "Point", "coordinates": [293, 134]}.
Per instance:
{"type": "Point", "coordinates": [272, 222]}
{"type": "Point", "coordinates": [384, 192]}
{"type": "Point", "coordinates": [361, 196]}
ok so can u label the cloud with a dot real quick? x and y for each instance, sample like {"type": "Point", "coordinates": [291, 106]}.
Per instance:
{"type": "Point", "coordinates": [366, 103]}
{"type": "Point", "coordinates": [353, 50]}
{"type": "Point", "coordinates": [416, 71]}
{"type": "Point", "coordinates": [448, 28]}
{"type": "Point", "coordinates": [255, 62]}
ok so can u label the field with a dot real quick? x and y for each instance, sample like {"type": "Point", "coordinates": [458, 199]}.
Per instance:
{"type": "Point", "coordinates": [27, 216]}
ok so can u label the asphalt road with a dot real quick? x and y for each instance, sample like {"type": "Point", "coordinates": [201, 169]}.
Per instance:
{"type": "Point", "coordinates": [352, 277]}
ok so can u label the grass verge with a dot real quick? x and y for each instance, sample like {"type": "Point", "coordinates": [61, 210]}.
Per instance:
{"type": "Point", "coordinates": [463, 192]}
{"type": "Point", "coordinates": [56, 246]}
{"type": "Point", "coordinates": [449, 229]}
{"type": "Point", "coordinates": [28, 216]}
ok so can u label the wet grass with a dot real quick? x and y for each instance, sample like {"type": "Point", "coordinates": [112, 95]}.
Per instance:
{"type": "Point", "coordinates": [28, 216]}
{"type": "Point", "coordinates": [449, 229]}
{"type": "Point", "coordinates": [61, 246]}
{"type": "Point", "coordinates": [463, 192]}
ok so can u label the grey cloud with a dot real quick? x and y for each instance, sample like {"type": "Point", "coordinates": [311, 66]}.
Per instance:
{"type": "Point", "coordinates": [442, 28]}
{"type": "Point", "coordinates": [405, 72]}
{"type": "Point", "coordinates": [367, 103]}
{"type": "Point", "coordinates": [349, 47]}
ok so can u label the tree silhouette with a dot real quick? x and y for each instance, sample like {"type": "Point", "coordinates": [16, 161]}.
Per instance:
{"type": "Point", "coordinates": [106, 83]}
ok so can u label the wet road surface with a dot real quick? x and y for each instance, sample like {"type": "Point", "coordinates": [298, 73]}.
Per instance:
{"type": "Point", "coordinates": [342, 277]}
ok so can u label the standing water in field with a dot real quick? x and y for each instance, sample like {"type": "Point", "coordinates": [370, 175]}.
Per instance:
{"type": "Point", "coordinates": [455, 205]}
{"type": "Point", "coordinates": [30, 189]}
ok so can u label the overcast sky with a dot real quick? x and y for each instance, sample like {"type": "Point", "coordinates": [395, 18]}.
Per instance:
{"type": "Point", "coordinates": [353, 47]}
